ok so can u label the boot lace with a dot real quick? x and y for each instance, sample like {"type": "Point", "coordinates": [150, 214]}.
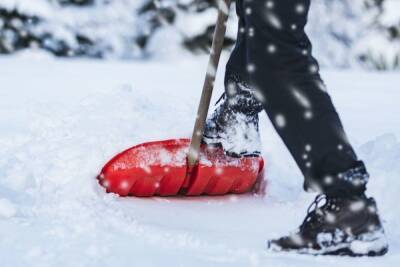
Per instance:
{"type": "Point", "coordinates": [316, 212]}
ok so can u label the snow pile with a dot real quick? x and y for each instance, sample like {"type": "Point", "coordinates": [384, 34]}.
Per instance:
{"type": "Point", "coordinates": [382, 156]}
{"type": "Point", "coordinates": [63, 120]}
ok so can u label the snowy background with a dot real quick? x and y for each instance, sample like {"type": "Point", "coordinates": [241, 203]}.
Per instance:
{"type": "Point", "coordinates": [346, 33]}
{"type": "Point", "coordinates": [62, 118]}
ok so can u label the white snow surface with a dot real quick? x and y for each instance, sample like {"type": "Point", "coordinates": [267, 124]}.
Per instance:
{"type": "Point", "coordinates": [60, 121]}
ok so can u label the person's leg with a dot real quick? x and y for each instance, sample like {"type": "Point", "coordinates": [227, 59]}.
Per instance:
{"type": "Point", "coordinates": [283, 70]}
{"type": "Point", "coordinates": [272, 58]}
{"type": "Point", "coordinates": [234, 123]}
{"type": "Point", "coordinates": [271, 67]}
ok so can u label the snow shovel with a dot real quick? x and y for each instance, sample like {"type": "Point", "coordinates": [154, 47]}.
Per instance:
{"type": "Point", "coordinates": [184, 166]}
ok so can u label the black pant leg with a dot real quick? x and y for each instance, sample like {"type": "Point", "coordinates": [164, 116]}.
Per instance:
{"type": "Point", "coordinates": [273, 54]}
{"type": "Point", "coordinates": [237, 89]}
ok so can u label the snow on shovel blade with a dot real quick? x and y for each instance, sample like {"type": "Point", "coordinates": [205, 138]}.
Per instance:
{"type": "Point", "coordinates": [160, 169]}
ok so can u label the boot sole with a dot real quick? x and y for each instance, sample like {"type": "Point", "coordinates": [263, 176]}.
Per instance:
{"type": "Point", "coordinates": [368, 245]}
{"type": "Point", "coordinates": [215, 142]}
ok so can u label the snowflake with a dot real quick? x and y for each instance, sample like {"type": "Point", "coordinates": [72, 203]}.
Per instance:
{"type": "Point", "coordinates": [308, 147]}
{"type": "Point", "coordinates": [124, 184]}
{"type": "Point", "coordinates": [251, 32]}
{"type": "Point", "coordinates": [308, 115]}
{"type": "Point", "coordinates": [300, 8]}
{"type": "Point", "coordinates": [273, 20]}
{"type": "Point", "coordinates": [328, 180]}
{"type": "Point", "coordinates": [251, 68]}
{"type": "Point", "coordinates": [330, 217]}
{"type": "Point", "coordinates": [297, 239]}
{"type": "Point", "coordinates": [106, 183]}
{"type": "Point", "coordinates": [271, 48]}
{"type": "Point", "coordinates": [357, 206]}
{"type": "Point", "coordinates": [313, 68]}
{"type": "Point", "coordinates": [280, 120]}
{"type": "Point", "coordinates": [231, 89]}
{"type": "Point", "coordinates": [270, 4]}
{"type": "Point", "coordinates": [219, 171]}
{"type": "Point", "coordinates": [211, 70]}
{"type": "Point", "coordinates": [301, 98]}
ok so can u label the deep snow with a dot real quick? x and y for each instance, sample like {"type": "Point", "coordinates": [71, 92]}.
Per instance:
{"type": "Point", "coordinates": [60, 121]}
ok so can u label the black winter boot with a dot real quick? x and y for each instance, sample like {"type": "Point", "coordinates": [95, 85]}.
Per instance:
{"type": "Point", "coordinates": [234, 123]}
{"type": "Point", "coordinates": [341, 226]}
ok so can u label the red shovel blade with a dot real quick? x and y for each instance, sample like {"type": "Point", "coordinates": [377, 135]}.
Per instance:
{"type": "Point", "coordinates": [160, 168]}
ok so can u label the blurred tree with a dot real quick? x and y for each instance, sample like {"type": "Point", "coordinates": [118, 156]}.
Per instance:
{"type": "Point", "coordinates": [76, 2]}
{"type": "Point", "coordinates": [345, 32]}
{"type": "Point", "coordinates": [159, 13]}
{"type": "Point", "coordinates": [382, 45]}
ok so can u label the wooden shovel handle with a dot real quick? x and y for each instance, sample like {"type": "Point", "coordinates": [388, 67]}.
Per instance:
{"type": "Point", "coordinates": [215, 54]}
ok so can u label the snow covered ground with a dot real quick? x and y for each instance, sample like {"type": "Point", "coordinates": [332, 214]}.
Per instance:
{"type": "Point", "coordinates": [60, 121]}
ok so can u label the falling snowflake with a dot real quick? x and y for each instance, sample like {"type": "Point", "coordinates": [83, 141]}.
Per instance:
{"type": "Point", "coordinates": [308, 115]}
{"type": "Point", "coordinates": [328, 180]}
{"type": "Point", "coordinates": [273, 20]}
{"type": "Point", "coordinates": [219, 171]}
{"type": "Point", "coordinates": [297, 239]}
{"type": "Point", "coordinates": [231, 89]}
{"type": "Point", "coordinates": [106, 183]}
{"type": "Point", "coordinates": [313, 68]}
{"type": "Point", "coordinates": [321, 86]}
{"type": "Point", "coordinates": [357, 206]}
{"type": "Point", "coordinates": [300, 8]}
{"type": "Point", "coordinates": [251, 68]}
{"type": "Point", "coordinates": [280, 120]}
{"type": "Point", "coordinates": [257, 94]}
{"type": "Point", "coordinates": [211, 70]}
{"type": "Point", "coordinates": [147, 169]}
{"type": "Point", "coordinates": [124, 185]}
{"type": "Point", "coordinates": [251, 32]}
{"type": "Point", "coordinates": [372, 209]}
{"type": "Point", "coordinates": [330, 217]}
{"type": "Point", "coordinates": [270, 4]}
{"type": "Point", "coordinates": [301, 98]}
{"type": "Point", "coordinates": [271, 48]}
